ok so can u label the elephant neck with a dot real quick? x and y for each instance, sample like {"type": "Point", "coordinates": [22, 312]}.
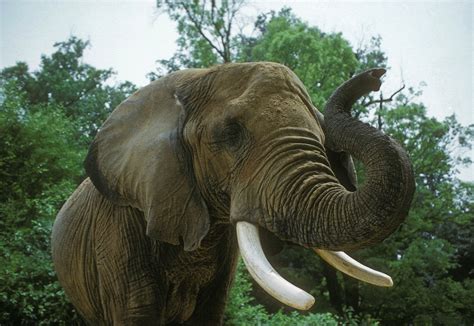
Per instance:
{"type": "Point", "coordinates": [190, 274]}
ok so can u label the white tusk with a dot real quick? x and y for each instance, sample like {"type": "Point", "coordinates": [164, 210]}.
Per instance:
{"type": "Point", "coordinates": [264, 274]}
{"type": "Point", "coordinates": [352, 267]}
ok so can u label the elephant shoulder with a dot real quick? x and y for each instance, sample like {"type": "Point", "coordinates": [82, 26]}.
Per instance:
{"type": "Point", "coordinates": [83, 198]}
{"type": "Point", "coordinates": [79, 211]}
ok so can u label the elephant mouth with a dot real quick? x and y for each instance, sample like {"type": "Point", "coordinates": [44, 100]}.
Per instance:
{"type": "Point", "coordinates": [279, 288]}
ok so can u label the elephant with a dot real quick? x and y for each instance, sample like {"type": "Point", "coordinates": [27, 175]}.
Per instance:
{"type": "Point", "coordinates": [192, 169]}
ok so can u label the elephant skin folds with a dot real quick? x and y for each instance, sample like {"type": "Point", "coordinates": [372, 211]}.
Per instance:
{"type": "Point", "coordinates": [150, 237]}
{"type": "Point", "coordinates": [111, 271]}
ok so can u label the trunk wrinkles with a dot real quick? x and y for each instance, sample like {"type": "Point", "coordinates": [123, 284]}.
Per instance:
{"type": "Point", "coordinates": [303, 201]}
{"type": "Point", "coordinates": [295, 173]}
{"type": "Point", "coordinates": [383, 201]}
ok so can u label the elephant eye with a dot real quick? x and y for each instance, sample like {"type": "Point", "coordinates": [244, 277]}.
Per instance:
{"type": "Point", "coordinates": [230, 137]}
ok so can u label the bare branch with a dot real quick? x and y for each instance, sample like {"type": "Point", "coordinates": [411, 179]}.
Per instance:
{"type": "Point", "coordinates": [230, 20]}
{"type": "Point", "coordinates": [221, 36]}
{"type": "Point", "coordinates": [210, 20]}
{"type": "Point", "coordinates": [384, 100]}
{"type": "Point", "coordinates": [200, 30]}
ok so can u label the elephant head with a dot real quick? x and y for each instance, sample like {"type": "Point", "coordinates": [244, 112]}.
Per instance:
{"type": "Point", "coordinates": [242, 144]}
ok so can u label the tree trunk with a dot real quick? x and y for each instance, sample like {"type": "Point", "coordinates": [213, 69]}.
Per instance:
{"type": "Point", "coordinates": [333, 286]}
{"type": "Point", "coordinates": [351, 292]}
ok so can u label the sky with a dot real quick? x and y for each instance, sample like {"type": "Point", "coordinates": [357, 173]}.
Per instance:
{"type": "Point", "coordinates": [426, 42]}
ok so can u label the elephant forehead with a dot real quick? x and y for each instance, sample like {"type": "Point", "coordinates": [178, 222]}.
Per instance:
{"type": "Point", "coordinates": [280, 111]}
{"type": "Point", "coordinates": [262, 115]}
{"type": "Point", "coordinates": [234, 80]}
{"type": "Point", "coordinates": [269, 78]}
{"type": "Point", "coordinates": [268, 84]}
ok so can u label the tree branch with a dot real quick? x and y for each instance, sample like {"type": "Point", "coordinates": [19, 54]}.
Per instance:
{"type": "Point", "coordinates": [200, 31]}
{"type": "Point", "coordinates": [77, 98]}
{"type": "Point", "coordinates": [228, 32]}
{"type": "Point", "coordinates": [384, 100]}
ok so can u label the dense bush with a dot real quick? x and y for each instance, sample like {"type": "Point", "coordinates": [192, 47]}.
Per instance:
{"type": "Point", "coordinates": [242, 309]}
{"type": "Point", "coordinates": [47, 119]}
{"type": "Point", "coordinates": [29, 291]}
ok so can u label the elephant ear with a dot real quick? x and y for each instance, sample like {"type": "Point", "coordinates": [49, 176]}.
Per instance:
{"type": "Point", "coordinates": [138, 158]}
{"type": "Point", "coordinates": [343, 167]}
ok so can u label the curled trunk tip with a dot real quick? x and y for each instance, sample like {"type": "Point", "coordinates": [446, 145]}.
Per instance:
{"type": "Point", "coordinates": [348, 93]}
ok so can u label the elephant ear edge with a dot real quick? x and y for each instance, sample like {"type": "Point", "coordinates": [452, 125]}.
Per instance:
{"type": "Point", "coordinates": [138, 158]}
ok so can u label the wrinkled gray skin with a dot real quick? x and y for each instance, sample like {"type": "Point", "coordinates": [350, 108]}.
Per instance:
{"type": "Point", "coordinates": [149, 237]}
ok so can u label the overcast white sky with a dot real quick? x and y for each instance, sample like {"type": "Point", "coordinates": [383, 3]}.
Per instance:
{"type": "Point", "coordinates": [425, 41]}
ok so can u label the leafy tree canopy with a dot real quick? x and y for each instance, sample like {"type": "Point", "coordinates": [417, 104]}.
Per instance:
{"type": "Point", "coordinates": [322, 61]}
{"type": "Point", "coordinates": [82, 91]}
{"type": "Point", "coordinates": [206, 33]}
{"type": "Point", "coordinates": [47, 119]}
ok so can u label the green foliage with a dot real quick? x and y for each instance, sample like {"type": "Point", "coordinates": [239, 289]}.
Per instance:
{"type": "Point", "coordinates": [370, 54]}
{"type": "Point", "coordinates": [205, 33]}
{"type": "Point", "coordinates": [241, 307]}
{"type": "Point", "coordinates": [63, 80]}
{"type": "Point", "coordinates": [430, 256]}
{"type": "Point", "coordinates": [39, 161]}
{"type": "Point", "coordinates": [322, 61]}
{"type": "Point", "coordinates": [29, 292]}
{"type": "Point", "coordinates": [243, 310]}
{"type": "Point", "coordinates": [39, 167]}
{"type": "Point", "coordinates": [47, 119]}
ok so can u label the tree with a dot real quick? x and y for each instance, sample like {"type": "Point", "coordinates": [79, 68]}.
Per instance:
{"type": "Point", "coordinates": [206, 33]}
{"type": "Point", "coordinates": [322, 61]}
{"type": "Point", "coordinates": [47, 119]}
{"type": "Point", "coordinates": [430, 255]}
{"type": "Point", "coordinates": [38, 160]}
{"type": "Point", "coordinates": [64, 80]}
{"type": "Point", "coordinates": [40, 165]}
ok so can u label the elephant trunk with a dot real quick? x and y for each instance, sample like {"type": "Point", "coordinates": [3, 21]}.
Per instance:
{"type": "Point", "coordinates": [303, 202]}
{"type": "Point", "coordinates": [373, 212]}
